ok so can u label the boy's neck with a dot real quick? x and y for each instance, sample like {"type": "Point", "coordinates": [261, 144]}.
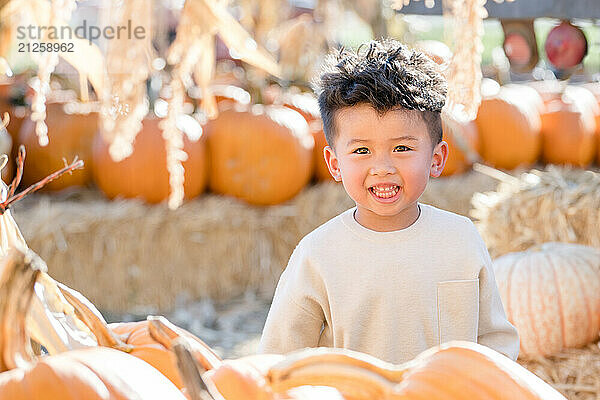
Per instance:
{"type": "Point", "coordinates": [380, 223]}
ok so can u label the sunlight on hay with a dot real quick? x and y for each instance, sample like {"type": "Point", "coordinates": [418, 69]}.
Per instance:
{"type": "Point", "coordinates": [126, 256]}
{"type": "Point", "coordinates": [558, 204]}
{"type": "Point", "coordinates": [573, 372]}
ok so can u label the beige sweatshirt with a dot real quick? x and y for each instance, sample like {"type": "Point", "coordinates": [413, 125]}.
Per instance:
{"type": "Point", "coordinates": [389, 294]}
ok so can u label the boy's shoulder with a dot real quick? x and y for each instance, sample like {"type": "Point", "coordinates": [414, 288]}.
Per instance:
{"type": "Point", "coordinates": [450, 224]}
{"type": "Point", "coordinates": [447, 218]}
{"type": "Point", "coordinates": [328, 232]}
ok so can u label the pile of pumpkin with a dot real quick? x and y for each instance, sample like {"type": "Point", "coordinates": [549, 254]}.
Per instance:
{"type": "Point", "coordinates": [154, 359]}
{"type": "Point", "coordinates": [266, 154]}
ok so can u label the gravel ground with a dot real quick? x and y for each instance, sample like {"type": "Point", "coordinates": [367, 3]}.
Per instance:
{"type": "Point", "coordinates": [232, 329]}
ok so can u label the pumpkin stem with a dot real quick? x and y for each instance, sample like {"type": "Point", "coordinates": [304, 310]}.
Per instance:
{"type": "Point", "coordinates": [18, 273]}
{"type": "Point", "coordinates": [165, 333]}
{"type": "Point", "coordinates": [354, 374]}
{"type": "Point", "coordinates": [189, 369]}
{"type": "Point", "coordinates": [94, 320]}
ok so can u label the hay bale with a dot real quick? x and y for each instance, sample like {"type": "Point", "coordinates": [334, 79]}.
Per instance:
{"type": "Point", "coordinates": [558, 204]}
{"type": "Point", "coordinates": [126, 256]}
{"type": "Point", "coordinates": [573, 372]}
{"type": "Point", "coordinates": [454, 193]}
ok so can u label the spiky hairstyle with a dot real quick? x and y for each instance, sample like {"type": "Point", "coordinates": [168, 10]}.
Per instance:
{"type": "Point", "coordinates": [385, 74]}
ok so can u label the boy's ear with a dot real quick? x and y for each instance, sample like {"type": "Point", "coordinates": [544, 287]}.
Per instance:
{"type": "Point", "coordinates": [438, 161]}
{"type": "Point", "coordinates": [332, 163]}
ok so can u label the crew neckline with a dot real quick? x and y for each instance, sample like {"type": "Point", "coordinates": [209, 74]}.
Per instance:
{"type": "Point", "coordinates": [366, 233]}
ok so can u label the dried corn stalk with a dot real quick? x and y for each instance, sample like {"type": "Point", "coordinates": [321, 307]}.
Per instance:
{"type": "Point", "coordinates": [85, 57]}
{"type": "Point", "coordinates": [193, 54]}
{"type": "Point", "coordinates": [124, 102]}
{"type": "Point", "coordinates": [464, 76]}
{"type": "Point", "coordinates": [558, 204]}
{"type": "Point", "coordinates": [302, 42]}
{"type": "Point", "coordinates": [261, 17]}
{"type": "Point", "coordinates": [60, 11]}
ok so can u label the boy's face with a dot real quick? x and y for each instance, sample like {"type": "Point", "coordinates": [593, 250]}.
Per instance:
{"type": "Point", "coordinates": [384, 163]}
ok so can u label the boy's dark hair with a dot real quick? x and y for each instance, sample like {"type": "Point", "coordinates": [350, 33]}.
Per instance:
{"type": "Point", "coordinates": [386, 75]}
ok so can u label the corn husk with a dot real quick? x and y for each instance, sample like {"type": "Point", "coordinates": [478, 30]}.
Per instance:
{"type": "Point", "coordinates": [558, 204]}
{"type": "Point", "coordinates": [50, 317]}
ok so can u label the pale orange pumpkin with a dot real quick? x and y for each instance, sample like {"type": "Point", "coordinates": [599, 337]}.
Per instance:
{"type": "Point", "coordinates": [262, 155]}
{"type": "Point", "coordinates": [551, 294]}
{"type": "Point", "coordinates": [144, 173]}
{"type": "Point", "coordinates": [509, 127]}
{"type": "Point", "coordinates": [568, 133]}
{"type": "Point", "coordinates": [71, 129]}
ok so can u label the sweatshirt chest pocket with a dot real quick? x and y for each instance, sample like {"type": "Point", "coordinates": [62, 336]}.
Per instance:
{"type": "Point", "coordinates": [458, 310]}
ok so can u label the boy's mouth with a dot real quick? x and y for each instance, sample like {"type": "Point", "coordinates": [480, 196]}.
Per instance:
{"type": "Point", "coordinates": [384, 191]}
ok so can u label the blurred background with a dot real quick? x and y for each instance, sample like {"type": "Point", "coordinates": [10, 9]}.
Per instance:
{"type": "Point", "coordinates": [203, 145]}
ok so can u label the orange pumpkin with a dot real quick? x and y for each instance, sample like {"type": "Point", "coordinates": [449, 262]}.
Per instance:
{"type": "Point", "coordinates": [509, 127]}
{"type": "Point", "coordinates": [262, 155]}
{"type": "Point", "coordinates": [321, 170]}
{"type": "Point", "coordinates": [144, 173]}
{"type": "Point", "coordinates": [452, 371]}
{"type": "Point", "coordinates": [151, 341]}
{"type": "Point", "coordinates": [568, 133]}
{"type": "Point", "coordinates": [95, 373]}
{"type": "Point", "coordinates": [595, 89]}
{"type": "Point", "coordinates": [71, 129]}
{"type": "Point", "coordinates": [464, 370]}
{"type": "Point", "coordinates": [457, 161]}
{"type": "Point", "coordinates": [306, 104]}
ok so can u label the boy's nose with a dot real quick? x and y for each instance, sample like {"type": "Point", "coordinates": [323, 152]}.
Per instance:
{"type": "Point", "coordinates": [382, 168]}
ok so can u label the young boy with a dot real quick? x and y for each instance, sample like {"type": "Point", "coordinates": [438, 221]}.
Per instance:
{"type": "Point", "coordinates": [390, 277]}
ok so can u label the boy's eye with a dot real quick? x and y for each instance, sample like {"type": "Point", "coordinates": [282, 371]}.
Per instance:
{"type": "Point", "coordinates": [402, 148]}
{"type": "Point", "coordinates": [361, 150]}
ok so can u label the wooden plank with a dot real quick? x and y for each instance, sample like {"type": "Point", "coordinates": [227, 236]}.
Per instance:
{"type": "Point", "coordinates": [522, 9]}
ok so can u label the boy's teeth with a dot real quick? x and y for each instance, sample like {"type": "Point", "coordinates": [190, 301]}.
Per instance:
{"type": "Point", "coordinates": [385, 191]}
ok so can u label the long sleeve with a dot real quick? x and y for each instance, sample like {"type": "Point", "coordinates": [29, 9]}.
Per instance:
{"type": "Point", "coordinates": [494, 329]}
{"type": "Point", "coordinates": [296, 316]}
